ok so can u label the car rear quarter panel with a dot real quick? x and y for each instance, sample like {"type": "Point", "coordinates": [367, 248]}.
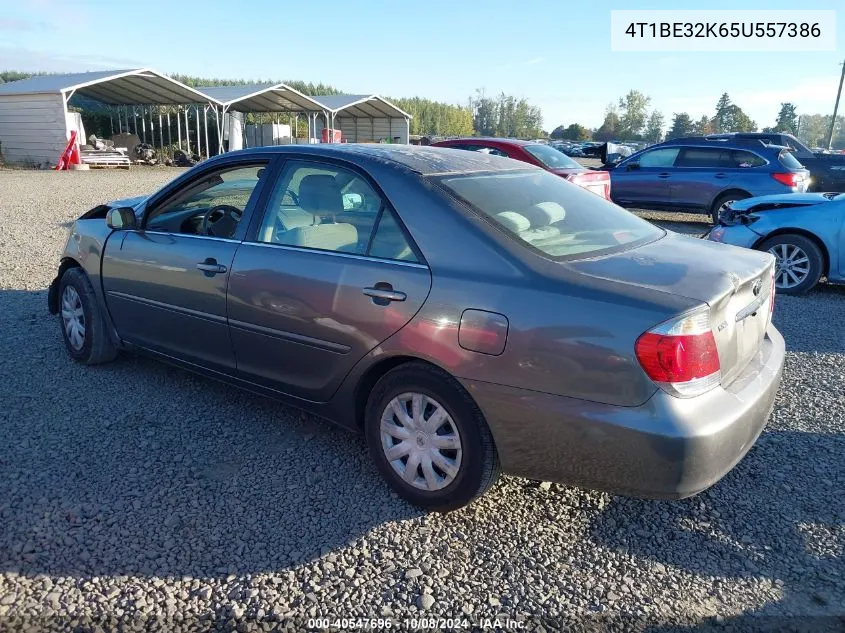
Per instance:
{"type": "Point", "coordinates": [568, 333]}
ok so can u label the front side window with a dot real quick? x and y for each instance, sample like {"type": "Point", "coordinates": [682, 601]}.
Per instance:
{"type": "Point", "coordinates": [548, 214]}
{"type": "Point", "coordinates": [228, 190]}
{"type": "Point", "coordinates": [664, 157]}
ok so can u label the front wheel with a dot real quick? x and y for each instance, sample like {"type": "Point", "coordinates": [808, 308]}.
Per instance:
{"type": "Point", "coordinates": [429, 439]}
{"type": "Point", "coordinates": [798, 262]}
{"type": "Point", "coordinates": [83, 328]}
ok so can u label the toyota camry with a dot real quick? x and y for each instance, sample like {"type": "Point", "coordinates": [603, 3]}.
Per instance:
{"type": "Point", "coordinates": [469, 314]}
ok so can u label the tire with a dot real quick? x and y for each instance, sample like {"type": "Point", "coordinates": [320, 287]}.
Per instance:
{"type": "Point", "coordinates": [796, 248]}
{"type": "Point", "coordinates": [96, 347]}
{"type": "Point", "coordinates": [716, 209]}
{"type": "Point", "coordinates": [475, 467]}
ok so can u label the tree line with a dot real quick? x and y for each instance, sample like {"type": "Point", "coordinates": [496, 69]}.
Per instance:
{"type": "Point", "coordinates": [629, 119]}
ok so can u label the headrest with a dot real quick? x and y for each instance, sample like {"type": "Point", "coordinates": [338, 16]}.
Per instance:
{"type": "Point", "coordinates": [513, 221]}
{"type": "Point", "coordinates": [320, 193]}
{"type": "Point", "coordinates": [544, 213]}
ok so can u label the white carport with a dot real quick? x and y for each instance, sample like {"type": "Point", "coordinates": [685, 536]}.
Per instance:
{"type": "Point", "coordinates": [367, 118]}
{"type": "Point", "coordinates": [261, 99]}
{"type": "Point", "coordinates": [34, 122]}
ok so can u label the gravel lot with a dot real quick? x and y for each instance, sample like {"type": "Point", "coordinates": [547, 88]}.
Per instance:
{"type": "Point", "coordinates": [137, 490]}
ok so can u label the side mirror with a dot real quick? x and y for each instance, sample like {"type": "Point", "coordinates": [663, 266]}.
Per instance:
{"type": "Point", "coordinates": [121, 219]}
{"type": "Point", "coordinates": [632, 166]}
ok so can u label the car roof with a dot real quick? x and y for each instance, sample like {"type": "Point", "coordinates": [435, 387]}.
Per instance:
{"type": "Point", "coordinates": [730, 142]}
{"type": "Point", "coordinates": [421, 159]}
{"type": "Point", "coordinates": [490, 139]}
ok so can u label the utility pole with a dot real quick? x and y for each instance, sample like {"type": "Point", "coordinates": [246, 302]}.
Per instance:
{"type": "Point", "coordinates": [835, 109]}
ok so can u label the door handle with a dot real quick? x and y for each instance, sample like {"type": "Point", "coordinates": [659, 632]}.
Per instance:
{"type": "Point", "coordinates": [385, 294]}
{"type": "Point", "coordinates": [211, 266]}
{"type": "Point", "coordinates": [664, 175]}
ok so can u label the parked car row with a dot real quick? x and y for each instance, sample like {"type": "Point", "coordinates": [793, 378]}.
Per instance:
{"type": "Point", "coordinates": [705, 174]}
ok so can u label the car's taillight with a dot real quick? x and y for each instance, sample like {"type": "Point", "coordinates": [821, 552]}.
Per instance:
{"type": "Point", "coordinates": [596, 181]}
{"type": "Point", "coordinates": [790, 178]}
{"type": "Point", "coordinates": [681, 355]}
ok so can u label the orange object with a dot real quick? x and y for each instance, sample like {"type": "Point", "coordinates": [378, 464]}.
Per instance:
{"type": "Point", "coordinates": [66, 156]}
{"type": "Point", "coordinates": [74, 155]}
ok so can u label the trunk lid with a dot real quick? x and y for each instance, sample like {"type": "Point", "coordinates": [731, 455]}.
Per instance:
{"type": "Point", "coordinates": [735, 282]}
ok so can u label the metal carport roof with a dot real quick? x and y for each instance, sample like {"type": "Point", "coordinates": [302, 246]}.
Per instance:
{"type": "Point", "coordinates": [369, 106]}
{"type": "Point", "coordinates": [262, 98]}
{"type": "Point", "coordinates": [137, 86]}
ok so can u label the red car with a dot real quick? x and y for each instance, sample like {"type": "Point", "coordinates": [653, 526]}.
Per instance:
{"type": "Point", "coordinates": [537, 154]}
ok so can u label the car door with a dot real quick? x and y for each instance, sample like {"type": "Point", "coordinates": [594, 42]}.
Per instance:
{"type": "Point", "coordinates": [165, 283]}
{"type": "Point", "coordinates": [700, 174]}
{"type": "Point", "coordinates": [644, 179]}
{"type": "Point", "coordinates": [322, 279]}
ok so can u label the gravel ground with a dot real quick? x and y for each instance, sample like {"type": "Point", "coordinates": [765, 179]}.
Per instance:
{"type": "Point", "coordinates": [134, 490]}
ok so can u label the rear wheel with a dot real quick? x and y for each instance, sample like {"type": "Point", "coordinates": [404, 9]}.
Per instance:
{"type": "Point", "coordinates": [798, 262]}
{"type": "Point", "coordinates": [83, 328]}
{"type": "Point", "coordinates": [723, 202]}
{"type": "Point", "coordinates": [429, 439]}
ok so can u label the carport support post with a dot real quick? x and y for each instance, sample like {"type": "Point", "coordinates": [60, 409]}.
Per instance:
{"type": "Point", "coordinates": [187, 132]}
{"type": "Point", "coordinates": [134, 123]}
{"type": "Point", "coordinates": [407, 131]}
{"type": "Point", "coordinates": [205, 126]}
{"type": "Point", "coordinates": [169, 133]}
{"type": "Point", "coordinates": [178, 128]}
{"type": "Point", "coordinates": [160, 133]}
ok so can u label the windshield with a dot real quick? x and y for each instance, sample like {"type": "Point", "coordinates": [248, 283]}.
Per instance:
{"type": "Point", "coordinates": [551, 157]}
{"type": "Point", "coordinates": [546, 213]}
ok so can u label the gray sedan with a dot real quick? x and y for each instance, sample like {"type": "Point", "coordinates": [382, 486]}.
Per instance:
{"type": "Point", "coordinates": [468, 313]}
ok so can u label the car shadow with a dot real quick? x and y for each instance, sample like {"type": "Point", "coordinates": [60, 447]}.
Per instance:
{"type": "Point", "coordinates": [769, 520]}
{"type": "Point", "coordinates": [137, 468]}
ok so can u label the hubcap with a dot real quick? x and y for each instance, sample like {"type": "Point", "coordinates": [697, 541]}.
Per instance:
{"type": "Point", "coordinates": [421, 441]}
{"type": "Point", "coordinates": [73, 318]}
{"type": "Point", "coordinates": [792, 266]}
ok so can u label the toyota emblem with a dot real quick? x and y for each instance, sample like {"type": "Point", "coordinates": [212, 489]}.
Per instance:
{"type": "Point", "coordinates": [756, 287]}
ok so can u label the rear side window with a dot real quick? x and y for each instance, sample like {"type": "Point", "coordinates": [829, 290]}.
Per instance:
{"type": "Point", "coordinates": [550, 215]}
{"type": "Point", "coordinates": [789, 161]}
{"type": "Point", "coordinates": [703, 157]}
{"type": "Point", "coordinates": [664, 157]}
{"type": "Point", "coordinates": [741, 158]}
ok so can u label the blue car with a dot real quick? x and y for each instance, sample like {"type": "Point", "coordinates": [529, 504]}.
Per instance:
{"type": "Point", "coordinates": [705, 174]}
{"type": "Point", "coordinates": [805, 232]}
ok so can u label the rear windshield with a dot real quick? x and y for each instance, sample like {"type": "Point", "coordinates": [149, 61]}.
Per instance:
{"type": "Point", "coordinates": [789, 161]}
{"type": "Point", "coordinates": [546, 213]}
{"type": "Point", "coordinates": [551, 157]}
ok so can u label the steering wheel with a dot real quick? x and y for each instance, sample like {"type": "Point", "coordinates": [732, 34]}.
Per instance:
{"type": "Point", "coordinates": [221, 221]}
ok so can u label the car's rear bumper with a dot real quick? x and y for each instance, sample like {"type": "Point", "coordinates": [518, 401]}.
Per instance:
{"type": "Point", "coordinates": [666, 448]}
